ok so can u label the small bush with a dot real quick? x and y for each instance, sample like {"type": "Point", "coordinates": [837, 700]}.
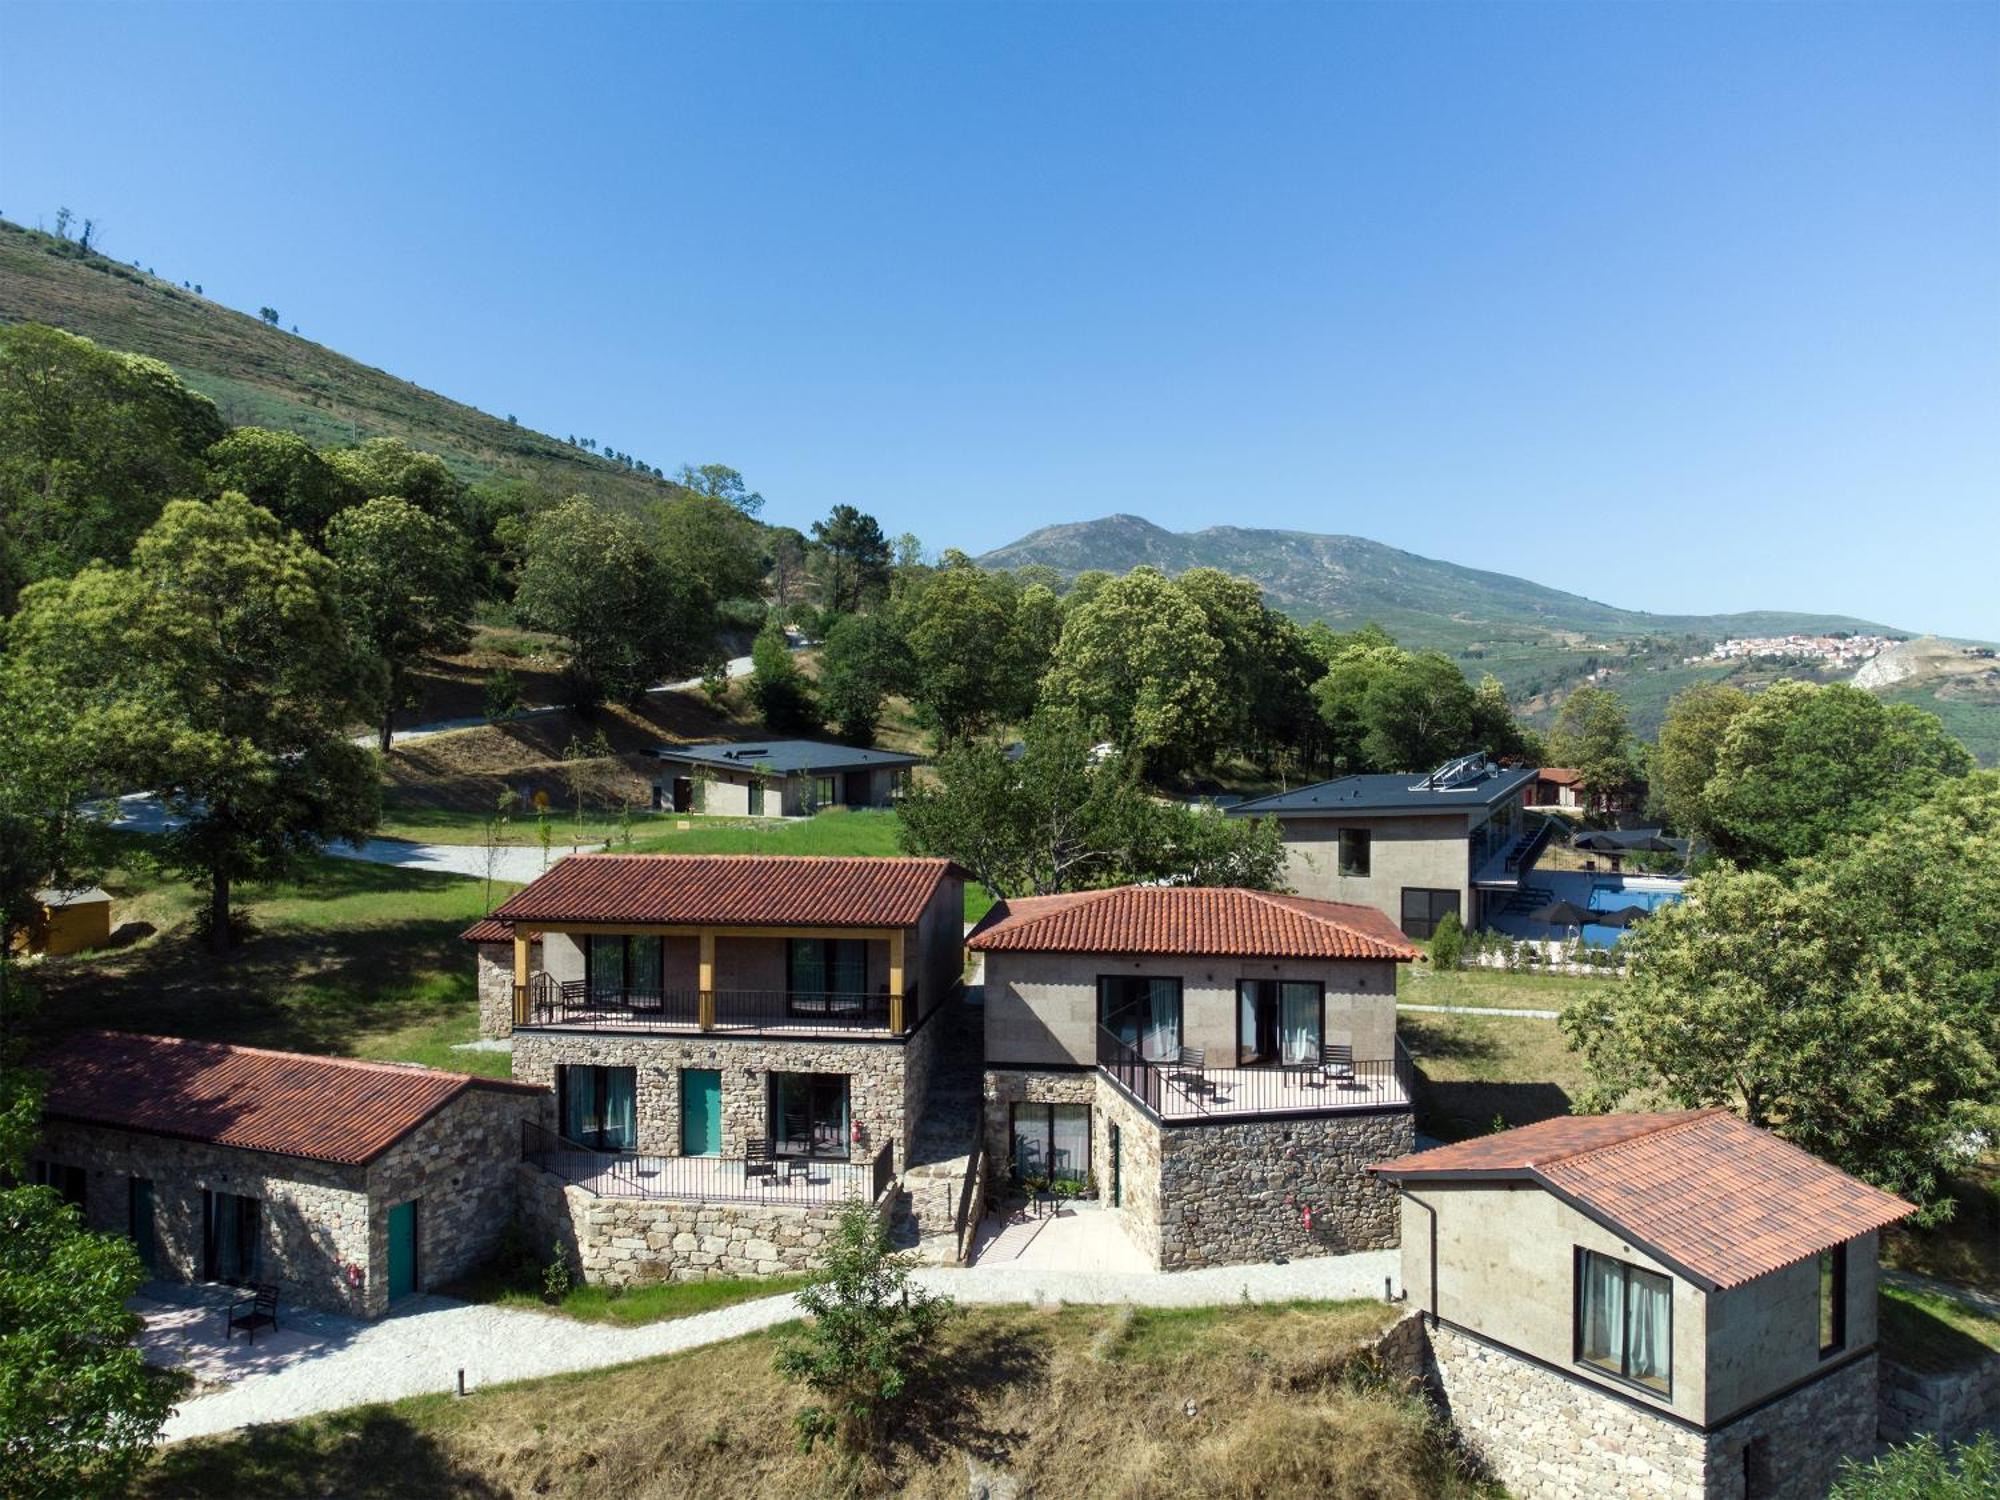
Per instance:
{"type": "Point", "coordinates": [558, 1280]}
{"type": "Point", "coordinates": [1921, 1470]}
{"type": "Point", "coordinates": [503, 694]}
{"type": "Point", "coordinates": [1447, 942]}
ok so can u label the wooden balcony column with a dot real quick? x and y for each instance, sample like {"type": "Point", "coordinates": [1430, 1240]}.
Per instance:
{"type": "Point", "coordinates": [523, 942]}
{"type": "Point", "coordinates": [896, 980]}
{"type": "Point", "coordinates": [706, 980]}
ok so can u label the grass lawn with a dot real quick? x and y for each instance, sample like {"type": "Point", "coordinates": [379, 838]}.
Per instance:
{"type": "Point", "coordinates": [1476, 1072]}
{"type": "Point", "coordinates": [1070, 1401]}
{"type": "Point", "coordinates": [1932, 1334]}
{"type": "Point", "coordinates": [1419, 984]}
{"type": "Point", "coordinates": [351, 959]}
{"type": "Point", "coordinates": [1966, 1248]}
{"type": "Point", "coordinates": [625, 1307]}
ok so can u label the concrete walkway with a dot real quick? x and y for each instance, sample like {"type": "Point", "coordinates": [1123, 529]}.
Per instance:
{"type": "Point", "coordinates": [320, 1362]}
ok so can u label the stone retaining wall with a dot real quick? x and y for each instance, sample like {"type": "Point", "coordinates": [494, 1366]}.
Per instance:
{"type": "Point", "coordinates": [630, 1241]}
{"type": "Point", "coordinates": [1954, 1407]}
{"type": "Point", "coordinates": [494, 968]}
{"type": "Point", "coordinates": [1236, 1193]}
{"type": "Point", "coordinates": [1550, 1438]}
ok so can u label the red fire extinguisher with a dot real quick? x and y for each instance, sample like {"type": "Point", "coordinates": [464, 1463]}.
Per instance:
{"type": "Point", "coordinates": [1309, 1219]}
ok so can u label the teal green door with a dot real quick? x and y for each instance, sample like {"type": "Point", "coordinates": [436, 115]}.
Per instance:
{"type": "Point", "coordinates": [402, 1250]}
{"type": "Point", "coordinates": [701, 1112]}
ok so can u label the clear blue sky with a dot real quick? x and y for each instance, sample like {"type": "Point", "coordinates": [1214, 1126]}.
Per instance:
{"type": "Point", "coordinates": [1688, 307]}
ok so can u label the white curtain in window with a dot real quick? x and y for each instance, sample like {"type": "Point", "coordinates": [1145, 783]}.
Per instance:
{"type": "Point", "coordinates": [1603, 1311]}
{"type": "Point", "coordinates": [1298, 1022]}
{"type": "Point", "coordinates": [621, 1128]}
{"type": "Point", "coordinates": [1652, 1300]}
{"type": "Point", "coordinates": [1069, 1141]}
{"type": "Point", "coordinates": [1162, 1041]}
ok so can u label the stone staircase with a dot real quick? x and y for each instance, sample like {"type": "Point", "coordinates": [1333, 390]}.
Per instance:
{"type": "Point", "coordinates": [937, 1179]}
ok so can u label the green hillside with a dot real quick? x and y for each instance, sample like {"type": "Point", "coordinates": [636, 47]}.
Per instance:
{"type": "Point", "coordinates": [260, 375]}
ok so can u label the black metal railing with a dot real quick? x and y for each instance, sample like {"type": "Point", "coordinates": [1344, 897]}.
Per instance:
{"type": "Point", "coordinates": [1171, 1091]}
{"type": "Point", "coordinates": [706, 1179]}
{"type": "Point", "coordinates": [573, 1002]}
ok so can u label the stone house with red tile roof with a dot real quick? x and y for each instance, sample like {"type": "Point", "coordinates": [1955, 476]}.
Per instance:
{"type": "Point", "coordinates": [1647, 1304]}
{"type": "Point", "coordinates": [346, 1184]}
{"type": "Point", "coordinates": [1219, 1065]}
{"type": "Point", "coordinates": [689, 1011]}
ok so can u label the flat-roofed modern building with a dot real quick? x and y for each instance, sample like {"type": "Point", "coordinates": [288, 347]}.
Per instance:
{"type": "Point", "coordinates": [1412, 846]}
{"type": "Point", "coordinates": [777, 778]}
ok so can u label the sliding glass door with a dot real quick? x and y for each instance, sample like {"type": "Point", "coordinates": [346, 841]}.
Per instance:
{"type": "Point", "coordinates": [621, 971]}
{"type": "Point", "coordinates": [1278, 1023]}
{"type": "Point", "coordinates": [1142, 1011]}
{"type": "Point", "coordinates": [1052, 1142]}
{"type": "Point", "coordinates": [826, 974]}
{"type": "Point", "coordinates": [809, 1114]}
{"type": "Point", "coordinates": [599, 1107]}
{"type": "Point", "coordinates": [229, 1237]}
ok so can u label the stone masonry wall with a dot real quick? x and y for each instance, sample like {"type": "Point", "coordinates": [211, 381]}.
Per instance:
{"type": "Point", "coordinates": [1008, 1087]}
{"type": "Point", "coordinates": [626, 1241]}
{"type": "Point", "coordinates": [312, 1222]}
{"type": "Point", "coordinates": [1234, 1194]}
{"type": "Point", "coordinates": [1138, 1165]}
{"type": "Point", "coordinates": [1954, 1407]}
{"type": "Point", "coordinates": [459, 1166]}
{"type": "Point", "coordinates": [875, 1073]}
{"type": "Point", "coordinates": [1550, 1438]}
{"type": "Point", "coordinates": [495, 978]}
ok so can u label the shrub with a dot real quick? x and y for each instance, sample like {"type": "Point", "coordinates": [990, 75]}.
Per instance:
{"type": "Point", "coordinates": [1447, 942]}
{"type": "Point", "coordinates": [558, 1280]}
{"type": "Point", "coordinates": [503, 694]}
{"type": "Point", "coordinates": [1921, 1470]}
{"type": "Point", "coordinates": [871, 1333]}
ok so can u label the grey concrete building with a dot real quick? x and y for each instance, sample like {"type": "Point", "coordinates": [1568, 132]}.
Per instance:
{"type": "Point", "coordinates": [777, 778]}
{"type": "Point", "coordinates": [1218, 1066]}
{"type": "Point", "coordinates": [1647, 1305]}
{"type": "Point", "coordinates": [1411, 846]}
{"type": "Point", "coordinates": [346, 1184]}
{"type": "Point", "coordinates": [725, 1030]}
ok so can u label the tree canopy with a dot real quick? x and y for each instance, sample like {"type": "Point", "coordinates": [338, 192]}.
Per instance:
{"type": "Point", "coordinates": [863, 661]}
{"type": "Point", "coordinates": [1847, 1002]}
{"type": "Point", "coordinates": [851, 558]}
{"type": "Point", "coordinates": [1690, 741]}
{"type": "Point", "coordinates": [286, 475]}
{"type": "Point", "coordinates": [1592, 738]}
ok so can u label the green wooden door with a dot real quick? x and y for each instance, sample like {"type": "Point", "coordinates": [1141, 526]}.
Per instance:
{"type": "Point", "coordinates": [701, 1112]}
{"type": "Point", "coordinates": [402, 1250]}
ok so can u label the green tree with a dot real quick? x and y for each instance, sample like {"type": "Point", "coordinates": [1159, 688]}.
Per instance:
{"type": "Point", "coordinates": [591, 577]}
{"type": "Point", "coordinates": [1057, 817]}
{"type": "Point", "coordinates": [788, 569]}
{"type": "Point", "coordinates": [1802, 764]}
{"type": "Point", "coordinates": [1266, 660]}
{"type": "Point", "coordinates": [783, 696]}
{"type": "Point", "coordinates": [409, 577]}
{"type": "Point", "coordinates": [285, 474]}
{"type": "Point", "coordinates": [390, 466]}
{"type": "Point", "coordinates": [220, 669]}
{"type": "Point", "coordinates": [1140, 666]}
{"type": "Point", "coordinates": [960, 632]}
{"type": "Point", "coordinates": [1847, 1003]}
{"type": "Point", "coordinates": [720, 482]}
{"type": "Point", "coordinates": [1418, 713]}
{"type": "Point", "coordinates": [863, 661]}
{"type": "Point", "coordinates": [870, 1334]}
{"type": "Point", "coordinates": [92, 446]}
{"type": "Point", "coordinates": [1592, 738]}
{"type": "Point", "coordinates": [713, 542]}
{"type": "Point", "coordinates": [1923, 1470]}
{"type": "Point", "coordinates": [1691, 736]}
{"type": "Point", "coordinates": [1341, 695]}
{"type": "Point", "coordinates": [79, 1406]}
{"type": "Point", "coordinates": [45, 774]}
{"type": "Point", "coordinates": [852, 559]}
{"type": "Point", "coordinates": [1495, 730]}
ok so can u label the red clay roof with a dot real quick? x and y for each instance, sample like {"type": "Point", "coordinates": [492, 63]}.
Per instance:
{"type": "Point", "coordinates": [329, 1109]}
{"type": "Point", "coordinates": [1174, 919]}
{"type": "Point", "coordinates": [492, 930]}
{"type": "Point", "coordinates": [732, 890]}
{"type": "Point", "coordinates": [1561, 775]}
{"type": "Point", "coordinates": [1719, 1199]}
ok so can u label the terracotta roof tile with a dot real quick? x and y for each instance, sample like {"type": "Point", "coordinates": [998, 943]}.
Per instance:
{"type": "Point", "coordinates": [324, 1108]}
{"type": "Point", "coordinates": [1700, 1189]}
{"type": "Point", "coordinates": [739, 890]}
{"type": "Point", "coordinates": [492, 930]}
{"type": "Point", "coordinates": [1206, 920]}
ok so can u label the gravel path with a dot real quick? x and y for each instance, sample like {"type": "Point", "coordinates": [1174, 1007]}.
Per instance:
{"type": "Point", "coordinates": [324, 1363]}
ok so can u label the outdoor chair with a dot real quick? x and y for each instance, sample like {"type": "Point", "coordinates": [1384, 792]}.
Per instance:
{"type": "Point", "coordinates": [759, 1160]}
{"type": "Point", "coordinates": [1190, 1069]}
{"type": "Point", "coordinates": [1337, 1064]}
{"type": "Point", "coordinates": [258, 1310]}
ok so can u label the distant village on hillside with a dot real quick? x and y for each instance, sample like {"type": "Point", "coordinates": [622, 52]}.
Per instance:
{"type": "Point", "coordinates": [1838, 650]}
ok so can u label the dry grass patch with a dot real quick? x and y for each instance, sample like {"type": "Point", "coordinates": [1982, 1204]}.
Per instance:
{"type": "Point", "coordinates": [1229, 1402]}
{"type": "Point", "coordinates": [1478, 1073]}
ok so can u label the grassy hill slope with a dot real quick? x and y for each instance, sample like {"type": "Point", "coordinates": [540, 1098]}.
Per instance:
{"type": "Point", "coordinates": [262, 376]}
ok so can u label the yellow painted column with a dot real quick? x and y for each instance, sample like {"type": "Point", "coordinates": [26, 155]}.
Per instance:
{"type": "Point", "coordinates": [707, 981]}
{"type": "Point", "coordinates": [896, 980]}
{"type": "Point", "coordinates": [521, 941]}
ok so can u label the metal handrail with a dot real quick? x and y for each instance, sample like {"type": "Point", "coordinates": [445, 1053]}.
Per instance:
{"type": "Point", "coordinates": [552, 1002]}
{"type": "Point", "coordinates": [1170, 1091]}
{"type": "Point", "coordinates": [703, 1179]}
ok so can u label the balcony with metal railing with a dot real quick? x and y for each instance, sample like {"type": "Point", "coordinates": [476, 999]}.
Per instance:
{"type": "Point", "coordinates": [781, 1181]}
{"type": "Point", "coordinates": [545, 1001]}
{"type": "Point", "coordinates": [1186, 1089]}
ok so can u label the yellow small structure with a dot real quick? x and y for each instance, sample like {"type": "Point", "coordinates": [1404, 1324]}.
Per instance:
{"type": "Point", "coordinates": [70, 921]}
